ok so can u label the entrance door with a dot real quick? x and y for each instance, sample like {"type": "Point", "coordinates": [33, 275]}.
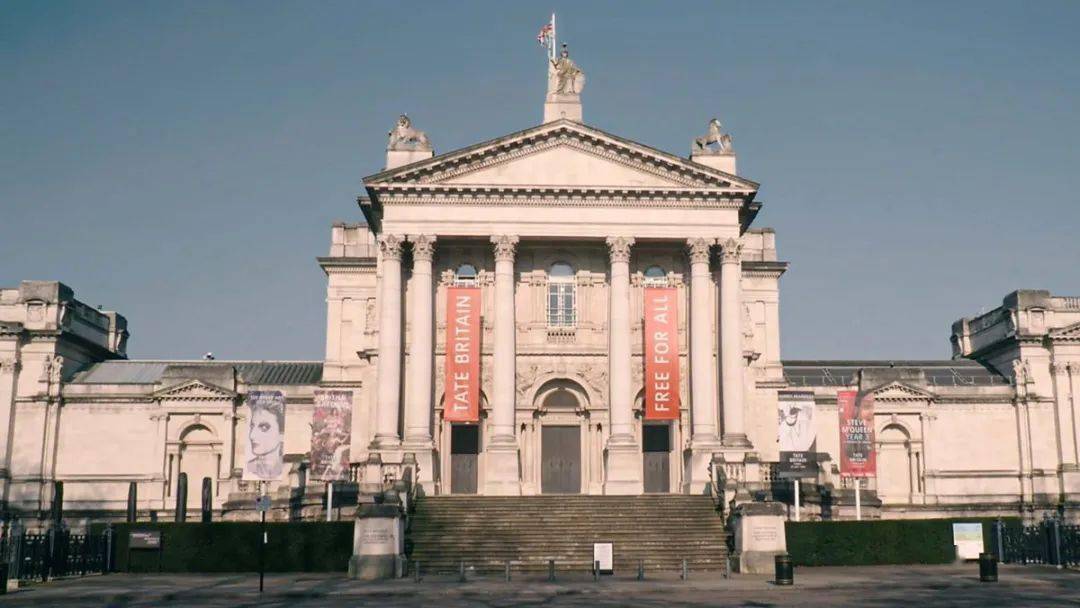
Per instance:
{"type": "Point", "coordinates": [464, 448]}
{"type": "Point", "coordinates": [656, 440]}
{"type": "Point", "coordinates": [560, 454]}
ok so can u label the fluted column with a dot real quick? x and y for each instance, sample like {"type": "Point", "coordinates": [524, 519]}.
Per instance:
{"type": "Point", "coordinates": [388, 374]}
{"type": "Point", "coordinates": [421, 356]}
{"type": "Point", "coordinates": [704, 440]}
{"type": "Point", "coordinates": [502, 475]}
{"type": "Point", "coordinates": [624, 475]}
{"type": "Point", "coordinates": [731, 351]}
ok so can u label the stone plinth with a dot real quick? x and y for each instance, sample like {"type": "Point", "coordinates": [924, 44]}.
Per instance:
{"type": "Point", "coordinates": [378, 542]}
{"type": "Point", "coordinates": [720, 161]}
{"type": "Point", "coordinates": [562, 106]}
{"type": "Point", "coordinates": [759, 536]}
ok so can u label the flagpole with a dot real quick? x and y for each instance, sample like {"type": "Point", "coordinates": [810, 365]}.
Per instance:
{"type": "Point", "coordinates": [554, 40]}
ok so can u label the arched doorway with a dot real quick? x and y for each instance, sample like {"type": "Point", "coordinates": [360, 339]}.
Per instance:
{"type": "Point", "coordinates": [894, 465]}
{"type": "Point", "coordinates": [561, 408]}
{"type": "Point", "coordinates": [200, 458]}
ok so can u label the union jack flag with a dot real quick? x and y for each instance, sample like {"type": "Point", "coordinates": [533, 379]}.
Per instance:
{"type": "Point", "coordinates": [545, 34]}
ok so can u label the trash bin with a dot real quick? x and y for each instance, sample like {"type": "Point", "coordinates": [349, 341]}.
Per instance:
{"type": "Point", "coordinates": [988, 568]}
{"type": "Point", "coordinates": [3, 577]}
{"type": "Point", "coordinates": [784, 570]}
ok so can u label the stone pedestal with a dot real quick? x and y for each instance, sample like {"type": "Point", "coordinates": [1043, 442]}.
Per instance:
{"type": "Point", "coordinates": [623, 469]}
{"type": "Point", "coordinates": [721, 161]}
{"type": "Point", "coordinates": [759, 536]}
{"type": "Point", "coordinates": [378, 542]}
{"type": "Point", "coordinates": [701, 456]}
{"type": "Point", "coordinates": [501, 469]}
{"type": "Point", "coordinates": [562, 106]}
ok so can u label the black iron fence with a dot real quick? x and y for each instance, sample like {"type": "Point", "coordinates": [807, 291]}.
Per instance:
{"type": "Point", "coordinates": [1050, 541]}
{"type": "Point", "coordinates": [57, 552]}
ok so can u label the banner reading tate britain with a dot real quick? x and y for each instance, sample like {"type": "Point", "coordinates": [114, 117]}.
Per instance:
{"type": "Point", "coordinates": [857, 458]}
{"type": "Point", "coordinates": [462, 392]}
{"type": "Point", "coordinates": [661, 354]}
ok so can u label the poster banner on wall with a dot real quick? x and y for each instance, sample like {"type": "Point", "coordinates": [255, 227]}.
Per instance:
{"type": "Point", "coordinates": [661, 354]}
{"type": "Point", "coordinates": [331, 429]}
{"type": "Point", "coordinates": [857, 458]}
{"type": "Point", "coordinates": [264, 451]}
{"type": "Point", "coordinates": [797, 435]}
{"type": "Point", "coordinates": [462, 392]}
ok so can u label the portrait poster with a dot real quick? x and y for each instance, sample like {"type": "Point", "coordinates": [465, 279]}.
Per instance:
{"type": "Point", "coordinates": [857, 457]}
{"type": "Point", "coordinates": [264, 449]}
{"type": "Point", "coordinates": [461, 402]}
{"type": "Point", "coordinates": [331, 430]}
{"type": "Point", "coordinates": [797, 435]}
{"type": "Point", "coordinates": [661, 353]}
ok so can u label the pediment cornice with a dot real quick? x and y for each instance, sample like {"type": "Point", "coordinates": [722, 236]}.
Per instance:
{"type": "Point", "coordinates": [194, 390]}
{"type": "Point", "coordinates": [1068, 333]}
{"type": "Point", "coordinates": [680, 173]}
{"type": "Point", "coordinates": [898, 391]}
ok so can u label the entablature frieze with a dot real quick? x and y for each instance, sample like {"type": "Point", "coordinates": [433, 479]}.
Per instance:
{"type": "Point", "coordinates": [560, 197]}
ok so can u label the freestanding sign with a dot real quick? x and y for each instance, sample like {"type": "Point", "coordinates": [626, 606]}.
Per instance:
{"type": "Point", "coordinates": [331, 428]}
{"type": "Point", "coordinates": [857, 458]}
{"type": "Point", "coordinates": [797, 435]}
{"type": "Point", "coordinates": [462, 401]}
{"type": "Point", "coordinates": [661, 354]}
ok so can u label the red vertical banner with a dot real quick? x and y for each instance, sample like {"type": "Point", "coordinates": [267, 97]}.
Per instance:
{"type": "Point", "coordinates": [462, 391]}
{"type": "Point", "coordinates": [661, 353]}
{"type": "Point", "coordinates": [857, 456]}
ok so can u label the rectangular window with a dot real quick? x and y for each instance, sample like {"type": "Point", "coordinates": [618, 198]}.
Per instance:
{"type": "Point", "coordinates": [561, 309]}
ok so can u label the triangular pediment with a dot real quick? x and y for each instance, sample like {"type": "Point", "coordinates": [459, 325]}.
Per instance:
{"type": "Point", "coordinates": [561, 154]}
{"type": "Point", "coordinates": [194, 390]}
{"type": "Point", "coordinates": [1067, 332]}
{"type": "Point", "coordinates": [898, 391]}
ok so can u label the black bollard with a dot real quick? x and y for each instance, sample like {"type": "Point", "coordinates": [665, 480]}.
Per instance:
{"type": "Point", "coordinates": [785, 572]}
{"type": "Point", "coordinates": [595, 571]}
{"type": "Point", "coordinates": [181, 498]}
{"type": "Point", "coordinates": [987, 568]}
{"type": "Point", "coordinates": [207, 500]}
{"type": "Point", "coordinates": [416, 571]}
{"type": "Point", "coordinates": [508, 571]}
{"type": "Point", "coordinates": [640, 569]}
{"type": "Point", "coordinates": [551, 570]}
{"type": "Point", "coordinates": [461, 572]}
{"type": "Point", "coordinates": [685, 571]}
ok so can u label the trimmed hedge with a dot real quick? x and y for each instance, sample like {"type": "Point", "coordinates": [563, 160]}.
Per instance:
{"type": "Point", "coordinates": [234, 547]}
{"type": "Point", "coordinates": [895, 541]}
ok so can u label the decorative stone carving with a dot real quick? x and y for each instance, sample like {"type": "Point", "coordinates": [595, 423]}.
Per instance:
{"type": "Point", "coordinates": [619, 248]}
{"type": "Point", "coordinates": [505, 247]}
{"type": "Point", "coordinates": [369, 315]}
{"type": "Point", "coordinates": [404, 137]}
{"type": "Point", "coordinates": [447, 277]}
{"type": "Point", "coordinates": [1058, 368]}
{"type": "Point", "coordinates": [390, 246]}
{"type": "Point", "coordinates": [715, 141]}
{"type": "Point", "coordinates": [10, 366]}
{"type": "Point", "coordinates": [423, 247]}
{"type": "Point", "coordinates": [698, 250]}
{"type": "Point", "coordinates": [1022, 372]}
{"type": "Point", "coordinates": [50, 372]}
{"type": "Point", "coordinates": [731, 251]}
{"type": "Point", "coordinates": [565, 77]}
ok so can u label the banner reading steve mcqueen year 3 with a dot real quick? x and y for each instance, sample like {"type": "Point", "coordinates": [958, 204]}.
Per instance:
{"type": "Point", "coordinates": [857, 457]}
{"type": "Point", "coordinates": [661, 354]}
{"type": "Point", "coordinates": [462, 391]}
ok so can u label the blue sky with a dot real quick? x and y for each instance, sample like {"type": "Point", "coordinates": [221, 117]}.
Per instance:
{"type": "Point", "coordinates": [181, 162]}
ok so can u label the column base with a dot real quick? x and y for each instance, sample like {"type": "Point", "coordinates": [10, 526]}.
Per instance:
{"type": "Point", "coordinates": [736, 440]}
{"type": "Point", "coordinates": [385, 442]}
{"type": "Point", "coordinates": [423, 449]}
{"type": "Point", "coordinates": [701, 456]}
{"type": "Point", "coordinates": [623, 467]}
{"type": "Point", "coordinates": [501, 470]}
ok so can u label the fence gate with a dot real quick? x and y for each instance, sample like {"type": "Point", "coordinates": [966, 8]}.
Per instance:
{"type": "Point", "coordinates": [55, 553]}
{"type": "Point", "coordinates": [1047, 542]}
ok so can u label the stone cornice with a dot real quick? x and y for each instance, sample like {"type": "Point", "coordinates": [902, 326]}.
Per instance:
{"type": "Point", "coordinates": [349, 264]}
{"type": "Point", "coordinates": [768, 270]}
{"type": "Point", "coordinates": [538, 196]}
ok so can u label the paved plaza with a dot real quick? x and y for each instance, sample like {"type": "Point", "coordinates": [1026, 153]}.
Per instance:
{"type": "Point", "coordinates": [862, 586]}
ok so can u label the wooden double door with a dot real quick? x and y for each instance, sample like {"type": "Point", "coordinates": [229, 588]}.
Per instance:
{"type": "Point", "coordinates": [560, 460]}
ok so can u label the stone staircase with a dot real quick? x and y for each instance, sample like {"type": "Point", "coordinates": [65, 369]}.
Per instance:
{"type": "Point", "coordinates": [485, 532]}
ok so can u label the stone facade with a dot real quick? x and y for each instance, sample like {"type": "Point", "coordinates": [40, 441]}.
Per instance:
{"type": "Point", "coordinates": [561, 226]}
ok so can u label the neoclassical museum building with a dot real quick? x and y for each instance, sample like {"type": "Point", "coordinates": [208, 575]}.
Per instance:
{"type": "Point", "coordinates": [513, 277]}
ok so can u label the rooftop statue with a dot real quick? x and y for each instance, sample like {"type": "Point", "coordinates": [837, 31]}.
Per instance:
{"type": "Point", "coordinates": [565, 77]}
{"type": "Point", "coordinates": [705, 143]}
{"type": "Point", "coordinates": [405, 137]}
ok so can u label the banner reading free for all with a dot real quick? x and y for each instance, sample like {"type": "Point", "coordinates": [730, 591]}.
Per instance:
{"type": "Point", "coordinates": [661, 354]}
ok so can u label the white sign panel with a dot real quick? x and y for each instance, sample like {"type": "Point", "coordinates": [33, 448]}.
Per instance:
{"type": "Point", "coordinates": [968, 539]}
{"type": "Point", "coordinates": [603, 554]}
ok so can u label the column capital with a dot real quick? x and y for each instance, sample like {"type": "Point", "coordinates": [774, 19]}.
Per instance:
{"type": "Point", "coordinates": [423, 247]}
{"type": "Point", "coordinates": [1057, 368]}
{"type": "Point", "coordinates": [505, 247]}
{"type": "Point", "coordinates": [619, 248]}
{"type": "Point", "coordinates": [1073, 368]}
{"type": "Point", "coordinates": [390, 246]}
{"type": "Point", "coordinates": [10, 366]}
{"type": "Point", "coordinates": [731, 251]}
{"type": "Point", "coordinates": [698, 249]}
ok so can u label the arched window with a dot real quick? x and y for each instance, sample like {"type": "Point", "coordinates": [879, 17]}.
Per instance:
{"type": "Point", "coordinates": [562, 309]}
{"type": "Point", "coordinates": [655, 275]}
{"type": "Point", "coordinates": [465, 275]}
